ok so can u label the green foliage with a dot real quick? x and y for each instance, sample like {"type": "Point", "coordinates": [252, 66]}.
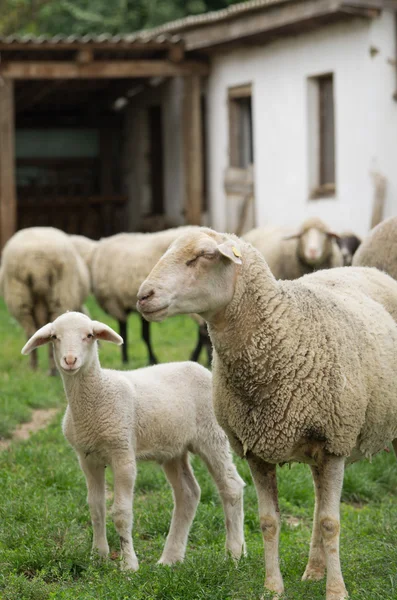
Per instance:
{"type": "Point", "coordinates": [45, 530]}
{"type": "Point", "coordinates": [80, 17]}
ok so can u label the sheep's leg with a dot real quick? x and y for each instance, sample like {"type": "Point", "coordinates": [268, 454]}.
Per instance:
{"type": "Point", "coordinates": [124, 347]}
{"type": "Point", "coordinates": [330, 479]}
{"type": "Point", "coordinates": [264, 476]}
{"type": "Point", "coordinates": [395, 446]}
{"type": "Point", "coordinates": [124, 480]}
{"type": "Point", "coordinates": [315, 569]}
{"type": "Point", "coordinates": [146, 337]}
{"type": "Point", "coordinates": [197, 351]}
{"type": "Point", "coordinates": [95, 478]}
{"type": "Point", "coordinates": [34, 359]}
{"type": "Point", "coordinates": [186, 492]}
{"type": "Point", "coordinates": [231, 490]}
{"type": "Point", "coordinates": [51, 362]}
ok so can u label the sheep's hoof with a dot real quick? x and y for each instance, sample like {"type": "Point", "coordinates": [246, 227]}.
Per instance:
{"type": "Point", "coordinates": [275, 586]}
{"type": "Point", "coordinates": [313, 573]}
{"type": "Point", "coordinates": [170, 560]}
{"type": "Point", "coordinates": [130, 565]}
{"type": "Point", "coordinates": [337, 594]}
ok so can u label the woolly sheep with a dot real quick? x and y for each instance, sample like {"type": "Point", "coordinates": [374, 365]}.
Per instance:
{"type": "Point", "coordinates": [41, 277]}
{"type": "Point", "coordinates": [158, 413]}
{"type": "Point", "coordinates": [303, 371]}
{"type": "Point", "coordinates": [379, 248]}
{"type": "Point", "coordinates": [348, 242]}
{"type": "Point", "coordinates": [120, 264]}
{"type": "Point", "coordinates": [85, 247]}
{"type": "Point", "coordinates": [291, 255]}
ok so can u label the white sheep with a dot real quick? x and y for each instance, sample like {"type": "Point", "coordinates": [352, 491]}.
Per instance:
{"type": "Point", "coordinates": [42, 276]}
{"type": "Point", "coordinates": [119, 265]}
{"type": "Point", "coordinates": [303, 371]}
{"type": "Point", "coordinates": [291, 255]}
{"type": "Point", "coordinates": [85, 247]}
{"type": "Point", "coordinates": [379, 248]}
{"type": "Point", "coordinates": [158, 413]}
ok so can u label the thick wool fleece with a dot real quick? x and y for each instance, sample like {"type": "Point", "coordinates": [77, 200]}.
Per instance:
{"type": "Point", "coordinates": [305, 365]}
{"type": "Point", "coordinates": [120, 264]}
{"type": "Point", "coordinates": [284, 256]}
{"type": "Point", "coordinates": [379, 249]}
{"type": "Point", "coordinates": [42, 276]}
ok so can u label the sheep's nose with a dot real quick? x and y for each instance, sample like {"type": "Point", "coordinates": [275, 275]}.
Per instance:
{"type": "Point", "coordinates": [145, 296]}
{"type": "Point", "coordinates": [70, 360]}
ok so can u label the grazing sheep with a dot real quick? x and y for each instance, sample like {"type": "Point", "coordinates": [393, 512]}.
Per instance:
{"type": "Point", "coordinates": [158, 413]}
{"type": "Point", "coordinates": [303, 371]}
{"type": "Point", "coordinates": [120, 264]}
{"type": "Point", "coordinates": [348, 243]}
{"type": "Point", "coordinates": [42, 276]}
{"type": "Point", "coordinates": [290, 256]}
{"type": "Point", "coordinates": [379, 248]}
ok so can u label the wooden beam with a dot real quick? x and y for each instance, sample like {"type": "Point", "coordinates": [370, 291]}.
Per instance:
{"type": "Point", "coordinates": [192, 147]}
{"type": "Point", "coordinates": [84, 56]}
{"type": "Point", "coordinates": [8, 201]}
{"type": "Point", "coordinates": [100, 69]}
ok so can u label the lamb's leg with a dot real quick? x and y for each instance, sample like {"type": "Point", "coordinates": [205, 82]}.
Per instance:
{"type": "Point", "coordinates": [231, 491]}
{"type": "Point", "coordinates": [264, 476]}
{"type": "Point", "coordinates": [124, 347]}
{"type": "Point", "coordinates": [315, 569]}
{"type": "Point", "coordinates": [197, 351]}
{"type": "Point", "coordinates": [146, 337]}
{"type": "Point", "coordinates": [331, 470]}
{"type": "Point", "coordinates": [51, 362]}
{"type": "Point", "coordinates": [124, 480]}
{"type": "Point", "coordinates": [95, 478]}
{"type": "Point", "coordinates": [395, 446]}
{"type": "Point", "coordinates": [34, 359]}
{"type": "Point", "coordinates": [186, 492]}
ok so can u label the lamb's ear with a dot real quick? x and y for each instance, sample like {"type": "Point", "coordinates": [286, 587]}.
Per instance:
{"type": "Point", "coordinates": [105, 333]}
{"type": "Point", "coordinates": [332, 234]}
{"type": "Point", "coordinates": [42, 336]}
{"type": "Point", "coordinates": [293, 236]}
{"type": "Point", "coordinates": [231, 250]}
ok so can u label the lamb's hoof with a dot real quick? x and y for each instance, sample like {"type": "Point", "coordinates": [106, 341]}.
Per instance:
{"type": "Point", "coordinates": [275, 586]}
{"type": "Point", "coordinates": [170, 560]}
{"type": "Point", "coordinates": [313, 573]}
{"type": "Point", "coordinates": [100, 553]}
{"type": "Point", "coordinates": [130, 565]}
{"type": "Point", "coordinates": [339, 593]}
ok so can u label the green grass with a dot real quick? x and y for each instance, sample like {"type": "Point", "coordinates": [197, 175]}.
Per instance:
{"type": "Point", "coordinates": [45, 531]}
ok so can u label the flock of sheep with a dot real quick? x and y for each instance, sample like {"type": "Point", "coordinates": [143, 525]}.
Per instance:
{"type": "Point", "coordinates": [304, 367]}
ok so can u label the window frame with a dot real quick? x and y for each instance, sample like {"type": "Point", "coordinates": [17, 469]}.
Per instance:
{"type": "Point", "coordinates": [236, 94]}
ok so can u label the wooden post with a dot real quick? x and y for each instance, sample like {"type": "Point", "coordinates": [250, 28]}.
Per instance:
{"type": "Point", "coordinates": [8, 201]}
{"type": "Point", "coordinates": [106, 181]}
{"type": "Point", "coordinates": [192, 149]}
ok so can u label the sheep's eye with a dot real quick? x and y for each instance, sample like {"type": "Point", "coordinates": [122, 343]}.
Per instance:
{"type": "Point", "coordinates": [191, 261]}
{"type": "Point", "coordinates": [90, 335]}
{"type": "Point", "coordinates": [54, 337]}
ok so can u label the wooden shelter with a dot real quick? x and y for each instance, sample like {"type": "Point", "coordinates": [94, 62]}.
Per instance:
{"type": "Point", "coordinates": [62, 90]}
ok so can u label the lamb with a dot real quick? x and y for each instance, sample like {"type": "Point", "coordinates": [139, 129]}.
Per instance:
{"type": "Point", "coordinates": [119, 265]}
{"type": "Point", "coordinates": [157, 413]}
{"type": "Point", "coordinates": [41, 277]}
{"type": "Point", "coordinates": [291, 255]}
{"type": "Point", "coordinates": [379, 248]}
{"type": "Point", "coordinates": [348, 243]}
{"type": "Point", "coordinates": [303, 371]}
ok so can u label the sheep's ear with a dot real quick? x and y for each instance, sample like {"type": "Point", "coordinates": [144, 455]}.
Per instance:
{"type": "Point", "coordinates": [293, 236]}
{"type": "Point", "coordinates": [42, 336]}
{"type": "Point", "coordinates": [231, 250]}
{"type": "Point", "coordinates": [105, 333]}
{"type": "Point", "coordinates": [335, 236]}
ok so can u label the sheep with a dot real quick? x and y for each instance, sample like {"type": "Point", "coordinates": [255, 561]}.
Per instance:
{"type": "Point", "coordinates": [156, 413]}
{"type": "Point", "coordinates": [119, 265]}
{"type": "Point", "coordinates": [291, 255]}
{"type": "Point", "coordinates": [303, 370]}
{"type": "Point", "coordinates": [85, 247]}
{"type": "Point", "coordinates": [348, 242]}
{"type": "Point", "coordinates": [42, 276]}
{"type": "Point", "coordinates": [379, 248]}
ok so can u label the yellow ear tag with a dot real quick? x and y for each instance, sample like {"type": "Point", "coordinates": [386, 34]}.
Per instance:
{"type": "Point", "coordinates": [236, 252]}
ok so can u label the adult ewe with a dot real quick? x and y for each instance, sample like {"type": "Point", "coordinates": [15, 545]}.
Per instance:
{"type": "Point", "coordinates": [41, 276]}
{"type": "Point", "coordinates": [291, 255]}
{"type": "Point", "coordinates": [119, 265]}
{"type": "Point", "coordinates": [379, 248]}
{"type": "Point", "coordinates": [159, 413]}
{"type": "Point", "coordinates": [303, 371]}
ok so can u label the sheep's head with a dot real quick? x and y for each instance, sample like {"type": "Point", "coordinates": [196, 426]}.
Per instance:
{"type": "Point", "coordinates": [197, 274]}
{"type": "Point", "coordinates": [314, 242]}
{"type": "Point", "coordinates": [348, 244]}
{"type": "Point", "coordinates": [74, 338]}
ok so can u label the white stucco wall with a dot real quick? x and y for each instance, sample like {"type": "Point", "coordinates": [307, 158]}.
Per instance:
{"type": "Point", "coordinates": [365, 122]}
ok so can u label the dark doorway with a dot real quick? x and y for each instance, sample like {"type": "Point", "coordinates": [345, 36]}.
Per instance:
{"type": "Point", "coordinates": [156, 159]}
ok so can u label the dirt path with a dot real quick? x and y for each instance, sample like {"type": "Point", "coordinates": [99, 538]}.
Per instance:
{"type": "Point", "coordinates": [40, 419]}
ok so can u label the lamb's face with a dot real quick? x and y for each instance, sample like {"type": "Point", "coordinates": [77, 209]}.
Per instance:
{"type": "Point", "coordinates": [74, 337]}
{"type": "Point", "coordinates": [313, 246]}
{"type": "Point", "coordinates": [196, 275]}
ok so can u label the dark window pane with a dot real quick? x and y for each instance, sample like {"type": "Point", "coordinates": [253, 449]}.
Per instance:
{"type": "Point", "coordinates": [327, 130]}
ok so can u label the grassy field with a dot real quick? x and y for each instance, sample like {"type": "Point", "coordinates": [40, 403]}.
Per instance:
{"type": "Point", "coordinates": [45, 531]}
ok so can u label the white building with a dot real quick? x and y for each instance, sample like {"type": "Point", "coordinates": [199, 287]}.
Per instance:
{"type": "Point", "coordinates": [300, 98]}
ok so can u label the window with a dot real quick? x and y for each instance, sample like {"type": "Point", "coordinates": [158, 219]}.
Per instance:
{"type": "Point", "coordinates": [240, 127]}
{"type": "Point", "coordinates": [322, 136]}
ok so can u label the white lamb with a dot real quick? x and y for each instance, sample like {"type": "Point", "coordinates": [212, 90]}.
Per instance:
{"type": "Point", "coordinates": [303, 371]}
{"type": "Point", "coordinates": [158, 413]}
